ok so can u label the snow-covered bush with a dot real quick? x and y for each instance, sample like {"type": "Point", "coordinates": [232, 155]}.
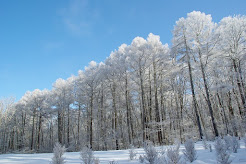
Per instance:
{"type": "Point", "coordinates": [190, 152]}
{"type": "Point", "coordinates": [228, 141]}
{"type": "Point", "coordinates": [235, 144]}
{"type": "Point", "coordinates": [204, 142]}
{"type": "Point", "coordinates": [232, 143]}
{"type": "Point", "coordinates": [222, 153]}
{"type": "Point", "coordinates": [96, 161]}
{"type": "Point", "coordinates": [173, 156]}
{"type": "Point", "coordinates": [162, 151]}
{"type": "Point", "coordinates": [161, 160]}
{"type": "Point", "coordinates": [141, 159]}
{"type": "Point", "coordinates": [177, 143]}
{"type": "Point", "coordinates": [58, 153]}
{"type": "Point", "coordinates": [150, 152]}
{"type": "Point", "coordinates": [113, 162]}
{"type": "Point", "coordinates": [87, 155]}
{"type": "Point", "coordinates": [132, 153]}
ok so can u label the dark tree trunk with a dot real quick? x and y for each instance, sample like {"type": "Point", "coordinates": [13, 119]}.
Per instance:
{"type": "Point", "coordinates": [39, 130]}
{"type": "Point", "coordinates": [157, 113]}
{"type": "Point", "coordinates": [208, 97]}
{"type": "Point", "coordinates": [68, 126]}
{"type": "Point", "coordinates": [33, 129]}
{"type": "Point", "coordinates": [143, 102]}
{"type": "Point", "coordinates": [128, 112]}
{"type": "Point", "coordinates": [194, 99]}
{"type": "Point", "coordinates": [240, 87]}
{"type": "Point", "coordinates": [60, 127]}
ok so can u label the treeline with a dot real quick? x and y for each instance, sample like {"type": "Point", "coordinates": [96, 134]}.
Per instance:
{"type": "Point", "coordinates": [143, 91]}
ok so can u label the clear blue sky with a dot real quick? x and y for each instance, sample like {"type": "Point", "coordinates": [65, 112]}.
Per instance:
{"type": "Point", "coordinates": [41, 41]}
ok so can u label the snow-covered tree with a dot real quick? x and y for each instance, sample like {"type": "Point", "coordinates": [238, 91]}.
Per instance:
{"type": "Point", "coordinates": [144, 91]}
{"type": "Point", "coordinates": [232, 31]}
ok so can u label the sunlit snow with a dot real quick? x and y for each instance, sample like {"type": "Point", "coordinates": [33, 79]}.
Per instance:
{"type": "Point", "coordinates": [120, 156]}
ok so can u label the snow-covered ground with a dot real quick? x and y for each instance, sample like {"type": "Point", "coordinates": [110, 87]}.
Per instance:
{"type": "Point", "coordinates": [121, 156]}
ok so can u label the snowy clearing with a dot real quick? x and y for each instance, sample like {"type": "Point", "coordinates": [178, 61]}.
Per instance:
{"type": "Point", "coordinates": [120, 156]}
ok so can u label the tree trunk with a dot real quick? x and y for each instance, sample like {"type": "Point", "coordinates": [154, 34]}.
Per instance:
{"type": "Point", "coordinates": [78, 128]}
{"type": "Point", "coordinates": [60, 127]}
{"type": "Point", "coordinates": [157, 113]}
{"type": "Point", "coordinates": [68, 126]}
{"type": "Point", "coordinates": [143, 102]}
{"type": "Point", "coordinates": [194, 99]}
{"type": "Point", "coordinates": [91, 119]}
{"type": "Point", "coordinates": [128, 112]}
{"type": "Point", "coordinates": [113, 91]}
{"type": "Point", "coordinates": [208, 97]}
{"type": "Point", "coordinates": [33, 127]}
{"type": "Point", "coordinates": [39, 130]}
{"type": "Point", "coordinates": [240, 87]}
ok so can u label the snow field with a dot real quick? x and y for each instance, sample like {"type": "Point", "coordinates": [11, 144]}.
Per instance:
{"type": "Point", "coordinates": [120, 156]}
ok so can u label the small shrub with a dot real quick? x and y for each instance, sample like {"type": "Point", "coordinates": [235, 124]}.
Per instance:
{"type": "Point", "coordinates": [161, 156]}
{"type": "Point", "coordinates": [235, 144]}
{"type": "Point", "coordinates": [132, 153]}
{"type": "Point", "coordinates": [96, 161]}
{"type": "Point", "coordinates": [162, 150]}
{"type": "Point", "coordinates": [58, 153]}
{"type": "Point", "coordinates": [87, 155]}
{"type": "Point", "coordinates": [228, 141]}
{"type": "Point", "coordinates": [161, 160]}
{"type": "Point", "coordinates": [173, 156]}
{"type": "Point", "coordinates": [113, 162]}
{"type": "Point", "coordinates": [204, 141]}
{"type": "Point", "coordinates": [150, 153]}
{"type": "Point", "coordinates": [222, 153]}
{"type": "Point", "coordinates": [190, 152]}
{"type": "Point", "coordinates": [141, 159]}
{"type": "Point", "coordinates": [177, 144]}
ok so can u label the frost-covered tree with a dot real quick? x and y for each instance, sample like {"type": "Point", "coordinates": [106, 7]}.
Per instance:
{"type": "Point", "coordinates": [62, 98]}
{"type": "Point", "coordinates": [7, 124]}
{"type": "Point", "coordinates": [232, 31]}
{"type": "Point", "coordinates": [90, 84]}
{"type": "Point", "coordinates": [143, 91]}
{"type": "Point", "coordinates": [182, 50]}
{"type": "Point", "coordinates": [40, 102]}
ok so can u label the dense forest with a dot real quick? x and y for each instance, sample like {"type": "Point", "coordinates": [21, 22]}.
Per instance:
{"type": "Point", "coordinates": [147, 90]}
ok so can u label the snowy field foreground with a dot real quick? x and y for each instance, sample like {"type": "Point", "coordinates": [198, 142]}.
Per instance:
{"type": "Point", "coordinates": [120, 156]}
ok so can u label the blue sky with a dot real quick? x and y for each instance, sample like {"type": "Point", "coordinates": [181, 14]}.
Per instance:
{"type": "Point", "coordinates": [41, 41]}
